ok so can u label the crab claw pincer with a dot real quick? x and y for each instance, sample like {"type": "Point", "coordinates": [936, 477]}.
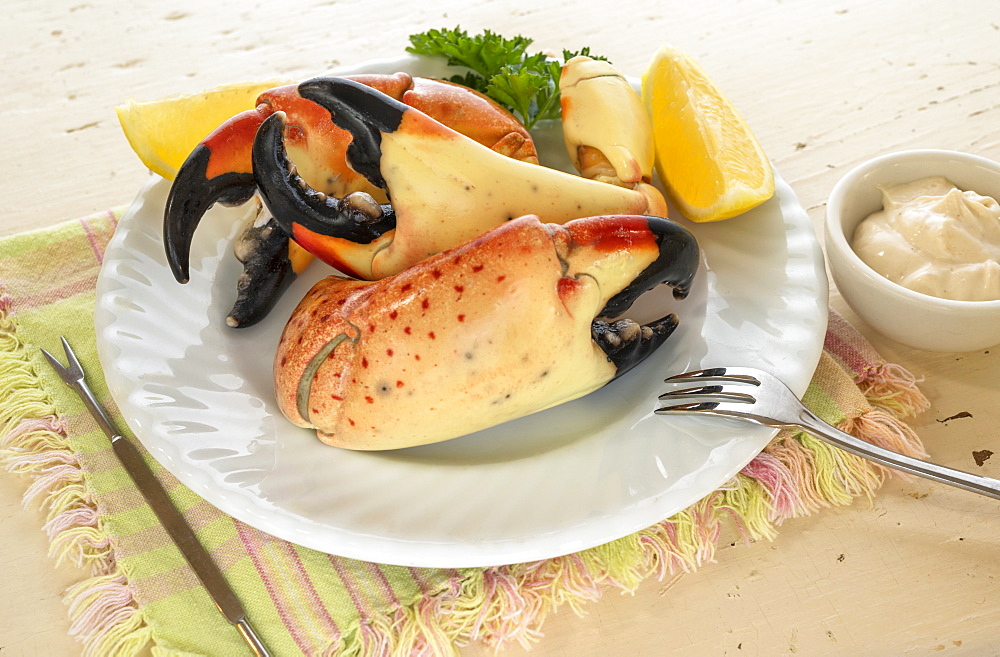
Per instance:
{"type": "Point", "coordinates": [220, 170]}
{"type": "Point", "coordinates": [510, 323]}
{"type": "Point", "coordinates": [444, 188]}
{"type": "Point", "coordinates": [344, 232]}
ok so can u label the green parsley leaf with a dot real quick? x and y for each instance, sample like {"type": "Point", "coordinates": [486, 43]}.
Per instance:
{"type": "Point", "coordinates": [484, 53]}
{"type": "Point", "coordinates": [527, 85]}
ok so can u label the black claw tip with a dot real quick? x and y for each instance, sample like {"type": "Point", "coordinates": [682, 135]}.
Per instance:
{"type": "Point", "coordinates": [291, 201]}
{"type": "Point", "coordinates": [362, 111]}
{"type": "Point", "coordinates": [267, 271]}
{"type": "Point", "coordinates": [190, 197]}
{"type": "Point", "coordinates": [627, 343]}
{"type": "Point", "coordinates": [676, 266]}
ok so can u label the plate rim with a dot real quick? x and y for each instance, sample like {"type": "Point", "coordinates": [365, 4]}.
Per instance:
{"type": "Point", "coordinates": [301, 532]}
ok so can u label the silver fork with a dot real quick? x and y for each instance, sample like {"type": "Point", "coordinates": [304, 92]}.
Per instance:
{"type": "Point", "coordinates": [758, 397]}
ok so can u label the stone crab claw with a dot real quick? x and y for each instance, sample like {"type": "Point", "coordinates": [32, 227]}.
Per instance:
{"type": "Point", "coordinates": [219, 170]}
{"type": "Point", "coordinates": [510, 323]}
{"type": "Point", "coordinates": [444, 188]}
{"type": "Point", "coordinates": [607, 130]}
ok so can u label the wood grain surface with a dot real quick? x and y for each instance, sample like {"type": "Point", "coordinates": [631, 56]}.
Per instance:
{"type": "Point", "coordinates": [825, 85]}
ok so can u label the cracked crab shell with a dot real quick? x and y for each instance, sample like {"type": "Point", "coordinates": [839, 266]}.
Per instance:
{"type": "Point", "coordinates": [483, 333]}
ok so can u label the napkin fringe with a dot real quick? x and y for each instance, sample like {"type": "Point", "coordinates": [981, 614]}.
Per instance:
{"type": "Point", "coordinates": [105, 617]}
{"type": "Point", "coordinates": [508, 604]}
{"type": "Point", "coordinates": [505, 605]}
{"type": "Point", "coordinates": [34, 443]}
{"type": "Point", "coordinates": [891, 387]}
{"type": "Point", "coordinates": [798, 474]}
{"type": "Point", "coordinates": [498, 606]}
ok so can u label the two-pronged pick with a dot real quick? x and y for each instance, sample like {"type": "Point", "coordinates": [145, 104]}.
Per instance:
{"type": "Point", "coordinates": [206, 570]}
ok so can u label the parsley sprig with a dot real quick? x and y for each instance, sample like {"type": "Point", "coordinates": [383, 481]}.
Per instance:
{"type": "Point", "coordinates": [501, 68]}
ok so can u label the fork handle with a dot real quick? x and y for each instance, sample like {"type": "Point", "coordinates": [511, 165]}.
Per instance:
{"type": "Point", "coordinates": [809, 422]}
{"type": "Point", "coordinates": [173, 522]}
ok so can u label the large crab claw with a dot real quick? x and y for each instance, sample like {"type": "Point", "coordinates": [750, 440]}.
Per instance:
{"type": "Point", "coordinates": [510, 323]}
{"type": "Point", "coordinates": [444, 188]}
{"type": "Point", "coordinates": [219, 170]}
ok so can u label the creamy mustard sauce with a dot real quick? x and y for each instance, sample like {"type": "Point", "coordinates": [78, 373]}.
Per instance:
{"type": "Point", "coordinates": [934, 238]}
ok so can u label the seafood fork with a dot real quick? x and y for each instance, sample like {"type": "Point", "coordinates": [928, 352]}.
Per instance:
{"type": "Point", "coordinates": [151, 489]}
{"type": "Point", "coordinates": [756, 396]}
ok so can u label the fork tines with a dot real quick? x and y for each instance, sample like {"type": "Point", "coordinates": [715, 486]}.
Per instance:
{"type": "Point", "coordinates": [726, 384]}
{"type": "Point", "coordinates": [713, 374]}
{"type": "Point", "coordinates": [69, 374]}
{"type": "Point", "coordinates": [719, 393]}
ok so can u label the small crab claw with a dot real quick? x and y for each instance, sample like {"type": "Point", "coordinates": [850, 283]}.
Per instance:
{"type": "Point", "coordinates": [444, 187]}
{"type": "Point", "coordinates": [608, 133]}
{"type": "Point", "coordinates": [221, 170]}
{"type": "Point", "coordinates": [347, 232]}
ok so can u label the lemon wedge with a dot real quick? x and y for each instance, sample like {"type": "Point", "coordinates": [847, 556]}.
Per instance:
{"type": "Point", "coordinates": [163, 132]}
{"type": "Point", "coordinates": [707, 158]}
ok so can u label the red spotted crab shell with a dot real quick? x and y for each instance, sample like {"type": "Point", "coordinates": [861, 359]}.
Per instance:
{"type": "Point", "coordinates": [495, 329]}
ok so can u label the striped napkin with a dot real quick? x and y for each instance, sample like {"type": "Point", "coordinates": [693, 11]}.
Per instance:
{"type": "Point", "coordinates": [137, 592]}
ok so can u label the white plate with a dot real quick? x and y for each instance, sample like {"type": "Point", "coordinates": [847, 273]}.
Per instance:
{"type": "Point", "coordinates": [199, 397]}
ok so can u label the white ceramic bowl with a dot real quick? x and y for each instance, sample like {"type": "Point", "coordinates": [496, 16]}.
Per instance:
{"type": "Point", "coordinates": [912, 318]}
